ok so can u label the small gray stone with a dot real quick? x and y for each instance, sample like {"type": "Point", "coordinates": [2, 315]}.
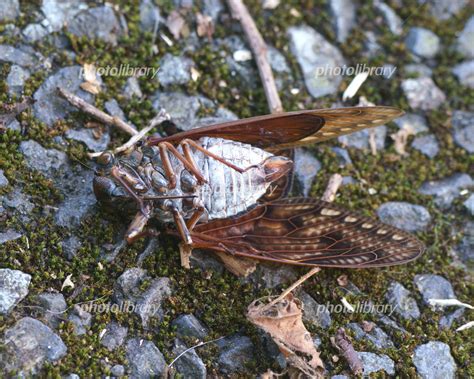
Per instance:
{"type": "Point", "coordinates": [236, 352]}
{"type": "Point", "coordinates": [375, 362]}
{"type": "Point", "coordinates": [117, 370]}
{"type": "Point", "coordinates": [60, 12]}
{"type": "Point", "coordinates": [70, 246]}
{"type": "Point", "coordinates": [174, 70]}
{"type": "Point", "coordinates": [433, 360]}
{"type": "Point", "coordinates": [13, 288]}
{"type": "Point", "coordinates": [10, 10]}
{"type": "Point", "coordinates": [9, 235]}
{"type": "Point", "coordinates": [394, 22]}
{"type": "Point", "coordinates": [422, 93]}
{"type": "Point", "coordinates": [314, 312]}
{"type": "Point", "coordinates": [466, 39]}
{"type": "Point", "coordinates": [343, 155]}
{"type": "Point", "coordinates": [80, 319]}
{"type": "Point", "coordinates": [446, 322]}
{"type": "Point", "coordinates": [443, 9]}
{"type": "Point", "coordinates": [274, 276]}
{"type": "Point", "coordinates": [447, 189]}
{"type": "Point", "coordinates": [463, 129]}
{"type": "Point", "coordinates": [277, 60]}
{"type": "Point", "coordinates": [150, 16]}
{"type": "Point", "coordinates": [132, 88]}
{"type": "Point", "coordinates": [86, 135]}
{"type": "Point", "coordinates": [343, 13]}
{"type": "Point", "coordinates": [213, 8]}
{"type": "Point", "coordinates": [97, 23]}
{"type": "Point", "coordinates": [360, 139]}
{"type": "Point", "coordinates": [17, 56]}
{"type": "Point", "coordinates": [18, 202]}
{"type": "Point", "coordinates": [402, 302]}
{"type": "Point", "coordinates": [413, 121]}
{"type": "Point", "coordinates": [418, 69]}
{"type": "Point", "coordinates": [189, 365]}
{"type": "Point", "coordinates": [469, 204]}
{"type": "Point", "coordinates": [404, 215]}
{"type": "Point", "coordinates": [29, 344]}
{"type": "Point", "coordinates": [465, 73]}
{"type": "Point", "coordinates": [16, 79]}
{"type": "Point", "coordinates": [306, 168]}
{"type": "Point", "coordinates": [3, 180]}
{"type": "Point", "coordinates": [427, 145]}
{"type": "Point", "coordinates": [422, 42]}
{"type": "Point", "coordinates": [148, 302]}
{"type": "Point", "coordinates": [48, 106]}
{"type": "Point", "coordinates": [189, 326]}
{"type": "Point", "coordinates": [49, 162]}
{"type": "Point", "coordinates": [377, 336]}
{"type": "Point", "coordinates": [34, 32]}
{"type": "Point", "coordinates": [145, 360]}
{"type": "Point", "coordinates": [434, 287]}
{"type": "Point", "coordinates": [465, 249]}
{"type": "Point", "coordinates": [114, 335]}
{"type": "Point", "coordinates": [316, 57]}
{"type": "Point", "coordinates": [54, 306]}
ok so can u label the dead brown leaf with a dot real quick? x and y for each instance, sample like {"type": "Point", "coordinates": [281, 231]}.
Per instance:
{"type": "Point", "coordinates": [176, 24]}
{"type": "Point", "coordinates": [283, 321]}
{"type": "Point", "coordinates": [91, 84]}
{"type": "Point", "coordinates": [205, 27]}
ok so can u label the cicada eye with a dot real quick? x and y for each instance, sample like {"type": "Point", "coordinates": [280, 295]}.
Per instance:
{"type": "Point", "coordinates": [105, 159]}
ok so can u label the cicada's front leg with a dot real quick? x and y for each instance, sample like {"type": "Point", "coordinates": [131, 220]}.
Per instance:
{"type": "Point", "coordinates": [137, 228]}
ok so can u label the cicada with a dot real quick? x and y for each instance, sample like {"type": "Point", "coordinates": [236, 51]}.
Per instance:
{"type": "Point", "coordinates": [212, 185]}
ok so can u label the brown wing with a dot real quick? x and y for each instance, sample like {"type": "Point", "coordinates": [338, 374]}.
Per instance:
{"type": "Point", "coordinates": [341, 121]}
{"type": "Point", "coordinates": [286, 130]}
{"type": "Point", "coordinates": [309, 232]}
{"type": "Point", "coordinates": [260, 131]}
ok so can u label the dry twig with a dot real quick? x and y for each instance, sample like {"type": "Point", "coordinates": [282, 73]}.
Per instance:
{"type": "Point", "coordinates": [334, 183]}
{"type": "Point", "coordinates": [344, 345]}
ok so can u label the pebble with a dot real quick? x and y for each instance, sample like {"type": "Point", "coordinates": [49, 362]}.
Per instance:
{"type": "Point", "coordinates": [10, 10]}
{"type": "Point", "coordinates": [422, 93]}
{"type": "Point", "coordinates": [174, 70]}
{"type": "Point", "coordinates": [16, 79]}
{"type": "Point", "coordinates": [236, 353]}
{"type": "Point", "coordinates": [406, 216]}
{"type": "Point", "coordinates": [422, 42]}
{"type": "Point", "coordinates": [360, 139]}
{"type": "Point", "coordinates": [189, 365]}
{"type": "Point", "coordinates": [469, 204]}
{"type": "Point", "coordinates": [433, 287]}
{"type": "Point", "coordinates": [418, 69]}
{"type": "Point", "coordinates": [60, 12]}
{"type": "Point", "coordinates": [314, 53]}
{"type": "Point", "coordinates": [465, 249]}
{"type": "Point", "coordinates": [464, 71]}
{"type": "Point", "coordinates": [463, 129]}
{"type": "Point", "coordinates": [50, 162]}
{"type": "Point", "coordinates": [54, 306]}
{"type": "Point", "coordinates": [13, 288]}
{"type": "Point", "coordinates": [3, 180]}
{"type": "Point", "coordinates": [343, 14]}
{"type": "Point", "coordinates": [188, 325]}
{"type": "Point", "coordinates": [448, 189]}
{"type": "Point", "coordinates": [148, 302]}
{"type": "Point", "coordinates": [393, 21]}
{"type": "Point", "coordinates": [443, 10]}
{"type": "Point", "coordinates": [81, 320]}
{"type": "Point", "coordinates": [428, 145]}
{"type": "Point", "coordinates": [306, 168]}
{"type": "Point", "coordinates": [465, 39]}
{"type": "Point", "coordinates": [114, 335]}
{"type": "Point", "coordinates": [97, 23]}
{"type": "Point", "coordinates": [375, 362]}
{"type": "Point", "coordinates": [29, 345]}
{"type": "Point", "coordinates": [150, 16]}
{"type": "Point", "coordinates": [403, 304]}
{"type": "Point", "coordinates": [434, 360]}
{"type": "Point", "coordinates": [9, 235]}
{"type": "Point", "coordinates": [314, 312]}
{"type": "Point", "coordinates": [413, 121]}
{"type": "Point", "coordinates": [377, 336]}
{"type": "Point", "coordinates": [10, 54]}
{"type": "Point", "coordinates": [145, 359]}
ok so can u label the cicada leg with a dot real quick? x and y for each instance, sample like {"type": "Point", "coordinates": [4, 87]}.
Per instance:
{"type": "Point", "coordinates": [137, 228]}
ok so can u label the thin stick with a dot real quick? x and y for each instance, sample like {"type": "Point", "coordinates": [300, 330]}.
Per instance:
{"type": "Point", "coordinates": [97, 113]}
{"type": "Point", "coordinates": [158, 119]}
{"type": "Point", "coordinates": [259, 48]}
{"type": "Point", "coordinates": [305, 277]}
{"type": "Point", "coordinates": [344, 345]}
{"type": "Point", "coordinates": [335, 182]}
